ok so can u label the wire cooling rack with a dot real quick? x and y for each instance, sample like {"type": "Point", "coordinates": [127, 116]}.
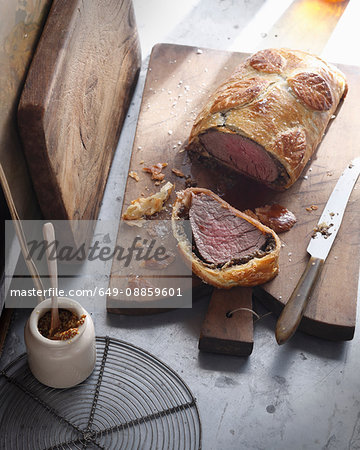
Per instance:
{"type": "Point", "coordinates": [132, 400]}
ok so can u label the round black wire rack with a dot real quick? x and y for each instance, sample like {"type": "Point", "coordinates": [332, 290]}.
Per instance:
{"type": "Point", "coordinates": [132, 400]}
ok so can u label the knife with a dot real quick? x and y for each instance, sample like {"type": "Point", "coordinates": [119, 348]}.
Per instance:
{"type": "Point", "coordinates": [318, 249]}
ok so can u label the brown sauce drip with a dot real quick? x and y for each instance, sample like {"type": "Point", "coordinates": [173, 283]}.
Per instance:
{"type": "Point", "coordinates": [276, 217]}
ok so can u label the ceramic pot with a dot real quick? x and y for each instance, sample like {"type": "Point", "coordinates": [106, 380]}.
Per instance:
{"type": "Point", "coordinates": [60, 364]}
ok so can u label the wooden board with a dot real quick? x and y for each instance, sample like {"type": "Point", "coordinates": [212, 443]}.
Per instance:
{"type": "Point", "coordinates": [177, 85]}
{"type": "Point", "coordinates": [74, 102]}
{"type": "Point", "coordinates": [21, 23]}
{"type": "Point", "coordinates": [228, 325]}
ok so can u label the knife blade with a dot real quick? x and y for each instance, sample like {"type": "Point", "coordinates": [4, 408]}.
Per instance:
{"type": "Point", "coordinates": [318, 249]}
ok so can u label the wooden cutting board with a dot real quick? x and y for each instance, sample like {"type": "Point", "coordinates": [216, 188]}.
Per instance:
{"type": "Point", "coordinates": [228, 324]}
{"type": "Point", "coordinates": [178, 83]}
{"type": "Point", "coordinates": [74, 102]}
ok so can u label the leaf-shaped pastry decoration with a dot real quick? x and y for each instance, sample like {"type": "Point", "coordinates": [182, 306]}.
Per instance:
{"type": "Point", "coordinates": [238, 93]}
{"type": "Point", "coordinates": [269, 61]}
{"type": "Point", "coordinates": [312, 89]}
{"type": "Point", "coordinates": [292, 145]}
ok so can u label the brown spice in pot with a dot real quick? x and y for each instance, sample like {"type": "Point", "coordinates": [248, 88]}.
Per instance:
{"type": "Point", "coordinates": [69, 325]}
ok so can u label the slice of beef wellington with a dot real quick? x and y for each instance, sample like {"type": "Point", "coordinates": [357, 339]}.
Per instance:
{"type": "Point", "coordinates": [268, 118]}
{"type": "Point", "coordinates": [224, 246]}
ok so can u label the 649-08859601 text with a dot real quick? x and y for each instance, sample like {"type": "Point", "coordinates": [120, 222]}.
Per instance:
{"type": "Point", "coordinates": [128, 292]}
{"type": "Point", "coordinates": [101, 292]}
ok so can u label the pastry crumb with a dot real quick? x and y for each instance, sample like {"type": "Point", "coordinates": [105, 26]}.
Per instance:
{"type": "Point", "coordinates": [156, 171]}
{"type": "Point", "coordinates": [323, 229]}
{"type": "Point", "coordinates": [178, 173]}
{"type": "Point", "coordinates": [312, 208]}
{"type": "Point", "coordinates": [134, 175]}
{"type": "Point", "coordinates": [189, 182]}
{"type": "Point", "coordinates": [149, 205]}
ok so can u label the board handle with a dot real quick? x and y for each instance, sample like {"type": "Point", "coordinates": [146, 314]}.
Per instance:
{"type": "Point", "coordinates": [294, 309]}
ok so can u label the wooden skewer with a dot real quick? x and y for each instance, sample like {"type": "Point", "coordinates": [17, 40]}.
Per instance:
{"type": "Point", "coordinates": [49, 236]}
{"type": "Point", "coordinates": [21, 236]}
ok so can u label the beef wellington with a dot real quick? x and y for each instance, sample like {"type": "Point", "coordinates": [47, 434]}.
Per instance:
{"type": "Point", "coordinates": [224, 246]}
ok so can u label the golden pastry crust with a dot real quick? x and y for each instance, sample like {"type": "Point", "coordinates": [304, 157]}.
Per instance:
{"type": "Point", "coordinates": [269, 61]}
{"type": "Point", "coordinates": [256, 271]}
{"type": "Point", "coordinates": [281, 99]}
{"type": "Point", "coordinates": [313, 90]}
{"type": "Point", "coordinates": [239, 93]}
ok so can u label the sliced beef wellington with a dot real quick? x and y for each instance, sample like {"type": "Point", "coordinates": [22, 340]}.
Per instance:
{"type": "Point", "coordinates": [268, 118]}
{"type": "Point", "coordinates": [224, 246]}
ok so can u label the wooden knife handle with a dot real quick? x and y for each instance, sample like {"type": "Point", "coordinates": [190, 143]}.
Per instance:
{"type": "Point", "coordinates": [293, 311]}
